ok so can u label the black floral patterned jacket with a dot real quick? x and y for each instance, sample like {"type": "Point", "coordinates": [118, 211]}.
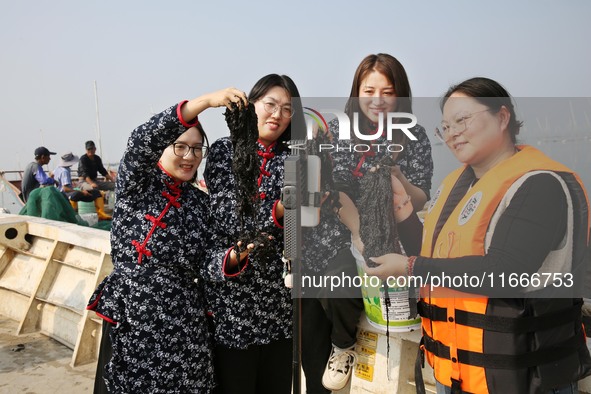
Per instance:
{"type": "Point", "coordinates": [154, 297]}
{"type": "Point", "coordinates": [252, 305]}
{"type": "Point", "coordinates": [322, 243]}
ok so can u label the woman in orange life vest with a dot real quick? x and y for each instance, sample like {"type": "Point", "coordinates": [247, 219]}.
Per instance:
{"type": "Point", "coordinates": [510, 210]}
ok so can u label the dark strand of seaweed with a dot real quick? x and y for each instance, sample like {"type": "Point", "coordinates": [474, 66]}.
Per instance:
{"type": "Point", "coordinates": [377, 227]}
{"type": "Point", "coordinates": [242, 122]}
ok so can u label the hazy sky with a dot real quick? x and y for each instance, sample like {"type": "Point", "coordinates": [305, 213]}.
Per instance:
{"type": "Point", "coordinates": [147, 55]}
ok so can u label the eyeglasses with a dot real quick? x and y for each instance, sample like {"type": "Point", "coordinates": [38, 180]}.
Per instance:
{"type": "Point", "coordinates": [181, 150]}
{"type": "Point", "coordinates": [459, 125]}
{"type": "Point", "coordinates": [272, 107]}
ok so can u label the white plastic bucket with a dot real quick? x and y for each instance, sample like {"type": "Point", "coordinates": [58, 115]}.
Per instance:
{"type": "Point", "coordinates": [90, 218]}
{"type": "Point", "coordinates": [397, 317]}
{"type": "Point", "coordinates": [110, 200]}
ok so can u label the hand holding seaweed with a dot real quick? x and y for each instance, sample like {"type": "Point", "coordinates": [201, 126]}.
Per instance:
{"type": "Point", "coordinates": [228, 97]}
{"type": "Point", "coordinates": [378, 230]}
{"type": "Point", "coordinates": [258, 247]}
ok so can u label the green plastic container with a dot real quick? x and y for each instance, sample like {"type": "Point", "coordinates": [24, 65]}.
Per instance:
{"type": "Point", "coordinates": [86, 207]}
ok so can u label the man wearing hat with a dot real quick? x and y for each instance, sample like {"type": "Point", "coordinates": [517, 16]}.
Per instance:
{"type": "Point", "coordinates": [63, 177]}
{"type": "Point", "coordinates": [34, 175]}
{"type": "Point", "coordinates": [89, 167]}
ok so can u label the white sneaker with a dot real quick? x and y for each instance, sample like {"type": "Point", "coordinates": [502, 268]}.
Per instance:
{"type": "Point", "coordinates": [339, 367]}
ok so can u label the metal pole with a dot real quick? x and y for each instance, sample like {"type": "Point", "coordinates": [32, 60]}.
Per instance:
{"type": "Point", "coordinates": [292, 201]}
{"type": "Point", "coordinates": [98, 124]}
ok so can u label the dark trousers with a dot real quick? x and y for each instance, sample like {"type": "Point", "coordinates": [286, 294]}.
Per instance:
{"type": "Point", "coordinates": [331, 317]}
{"type": "Point", "coordinates": [77, 195]}
{"type": "Point", "coordinates": [105, 353]}
{"type": "Point", "coordinates": [260, 369]}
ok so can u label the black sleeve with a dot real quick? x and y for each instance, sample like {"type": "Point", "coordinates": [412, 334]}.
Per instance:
{"type": "Point", "coordinates": [533, 224]}
{"type": "Point", "coordinates": [350, 189]}
{"type": "Point", "coordinates": [82, 166]}
{"type": "Point", "coordinates": [410, 232]}
{"type": "Point", "coordinates": [100, 167]}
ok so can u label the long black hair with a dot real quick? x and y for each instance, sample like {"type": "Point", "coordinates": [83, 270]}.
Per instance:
{"type": "Point", "coordinates": [242, 122]}
{"type": "Point", "coordinates": [394, 71]}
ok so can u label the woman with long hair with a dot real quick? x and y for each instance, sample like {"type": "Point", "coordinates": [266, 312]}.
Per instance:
{"type": "Point", "coordinates": [380, 86]}
{"type": "Point", "coordinates": [249, 304]}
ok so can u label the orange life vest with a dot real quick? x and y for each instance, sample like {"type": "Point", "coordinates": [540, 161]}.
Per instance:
{"type": "Point", "coordinates": [456, 326]}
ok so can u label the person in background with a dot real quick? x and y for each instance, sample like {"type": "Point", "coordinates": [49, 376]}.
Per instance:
{"type": "Point", "coordinates": [34, 175]}
{"type": "Point", "coordinates": [89, 167]}
{"type": "Point", "coordinates": [509, 211]}
{"type": "Point", "coordinates": [63, 176]}
{"type": "Point", "coordinates": [329, 323]}
{"type": "Point", "coordinates": [249, 303]}
{"type": "Point", "coordinates": [152, 303]}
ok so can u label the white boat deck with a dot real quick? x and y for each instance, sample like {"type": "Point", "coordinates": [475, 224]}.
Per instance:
{"type": "Point", "coordinates": [35, 364]}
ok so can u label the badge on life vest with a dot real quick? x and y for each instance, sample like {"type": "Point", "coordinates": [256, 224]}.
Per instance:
{"type": "Point", "coordinates": [434, 199]}
{"type": "Point", "coordinates": [469, 208]}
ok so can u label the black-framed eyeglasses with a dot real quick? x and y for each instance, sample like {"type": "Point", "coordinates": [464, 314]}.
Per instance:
{"type": "Point", "coordinates": [181, 150]}
{"type": "Point", "coordinates": [445, 130]}
{"type": "Point", "coordinates": [271, 107]}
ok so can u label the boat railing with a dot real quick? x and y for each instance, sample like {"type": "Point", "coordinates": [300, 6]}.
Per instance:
{"type": "Point", "coordinates": [48, 270]}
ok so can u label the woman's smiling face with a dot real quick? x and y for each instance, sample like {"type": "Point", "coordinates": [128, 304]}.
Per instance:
{"type": "Point", "coordinates": [376, 96]}
{"type": "Point", "coordinates": [272, 125]}
{"type": "Point", "coordinates": [183, 168]}
{"type": "Point", "coordinates": [474, 132]}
